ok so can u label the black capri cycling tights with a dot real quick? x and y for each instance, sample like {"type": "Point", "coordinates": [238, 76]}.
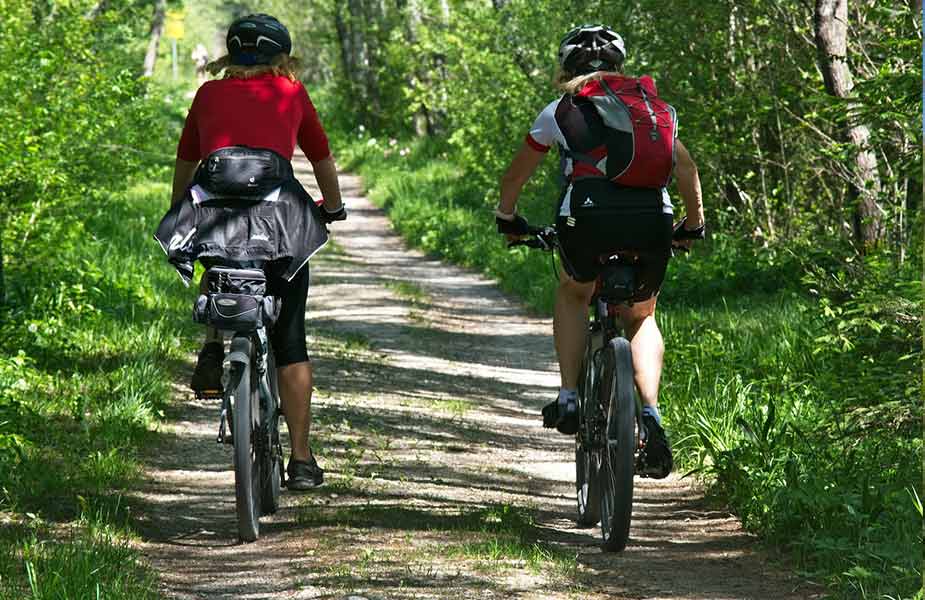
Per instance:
{"type": "Point", "coordinates": [288, 334]}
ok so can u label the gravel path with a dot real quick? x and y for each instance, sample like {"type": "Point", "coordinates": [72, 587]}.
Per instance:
{"type": "Point", "coordinates": [441, 483]}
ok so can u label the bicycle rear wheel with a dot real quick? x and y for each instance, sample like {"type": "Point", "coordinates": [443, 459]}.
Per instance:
{"type": "Point", "coordinates": [246, 411]}
{"type": "Point", "coordinates": [271, 459]}
{"type": "Point", "coordinates": [617, 458]}
{"type": "Point", "coordinates": [587, 458]}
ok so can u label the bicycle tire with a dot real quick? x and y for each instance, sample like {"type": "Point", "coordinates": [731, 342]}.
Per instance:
{"type": "Point", "coordinates": [271, 463]}
{"type": "Point", "coordinates": [587, 460]}
{"type": "Point", "coordinates": [246, 470]}
{"type": "Point", "coordinates": [618, 456]}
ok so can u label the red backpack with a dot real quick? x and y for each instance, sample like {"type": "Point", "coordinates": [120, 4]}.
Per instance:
{"type": "Point", "coordinates": [638, 130]}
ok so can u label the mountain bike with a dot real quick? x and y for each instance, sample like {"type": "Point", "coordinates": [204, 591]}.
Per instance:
{"type": "Point", "coordinates": [610, 434]}
{"type": "Point", "coordinates": [236, 304]}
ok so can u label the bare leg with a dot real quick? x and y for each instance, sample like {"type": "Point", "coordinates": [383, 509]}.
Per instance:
{"type": "Point", "coordinates": [570, 327]}
{"type": "Point", "coordinates": [295, 392]}
{"type": "Point", "coordinates": [648, 348]}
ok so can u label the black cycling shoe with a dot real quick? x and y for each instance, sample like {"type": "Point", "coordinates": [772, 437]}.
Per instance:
{"type": "Point", "coordinates": [655, 459]}
{"type": "Point", "coordinates": [304, 474]}
{"type": "Point", "coordinates": [207, 376]}
{"type": "Point", "coordinates": [566, 424]}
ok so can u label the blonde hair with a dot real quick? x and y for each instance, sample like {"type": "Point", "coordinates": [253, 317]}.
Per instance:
{"type": "Point", "coordinates": [572, 84]}
{"type": "Point", "coordinates": [281, 65]}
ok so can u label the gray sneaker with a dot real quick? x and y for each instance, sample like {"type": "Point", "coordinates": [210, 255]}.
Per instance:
{"type": "Point", "coordinates": [304, 475]}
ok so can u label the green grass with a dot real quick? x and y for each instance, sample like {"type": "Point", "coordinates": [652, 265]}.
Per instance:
{"type": "Point", "coordinates": [456, 407]}
{"type": "Point", "coordinates": [93, 561]}
{"type": "Point", "coordinates": [409, 291]}
{"type": "Point", "coordinates": [495, 537]}
{"type": "Point", "coordinates": [93, 334]}
{"type": "Point", "coordinates": [792, 378]}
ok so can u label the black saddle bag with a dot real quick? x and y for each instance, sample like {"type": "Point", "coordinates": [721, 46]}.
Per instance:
{"type": "Point", "coordinates": [242, 172]}
{"type": "Point", "coordinates": [236, 300]}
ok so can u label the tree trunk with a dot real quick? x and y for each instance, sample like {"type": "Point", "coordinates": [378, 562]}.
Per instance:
{"type": "Point", "coordinates": [420, 78]}
{"type": "Point", "coordinates": [157, 28]}
{"type": "Point", "coordinates": [831, 25]}
{"type": "Point", "coordinates": [373, 26]}
{"type": "Point", "coordinates": [343, 38]}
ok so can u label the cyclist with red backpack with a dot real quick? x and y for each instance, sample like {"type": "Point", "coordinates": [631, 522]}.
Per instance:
{"type": "Point", "coordinates": [618, 147]}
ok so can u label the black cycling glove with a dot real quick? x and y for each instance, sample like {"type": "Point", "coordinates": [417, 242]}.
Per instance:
{"type": "Point", "coordinates": [680, 233]}
{"type": "Point", "coordinates": [518, 226]}
{"type": "Point", "coordinates": [338, 215]}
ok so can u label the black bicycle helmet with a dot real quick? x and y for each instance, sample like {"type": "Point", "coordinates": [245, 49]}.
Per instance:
{"type": "Point", "coordinates": [590, 48]}
{"type": "Point", "coordinates": [256, 39]}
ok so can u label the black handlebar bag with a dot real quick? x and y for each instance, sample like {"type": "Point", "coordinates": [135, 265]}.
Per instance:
{"type": "Point", "coordinates": [242, 172]}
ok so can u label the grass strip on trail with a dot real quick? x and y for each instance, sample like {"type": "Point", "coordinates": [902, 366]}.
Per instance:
{"type": "Point", "coordinates": [791, 384]}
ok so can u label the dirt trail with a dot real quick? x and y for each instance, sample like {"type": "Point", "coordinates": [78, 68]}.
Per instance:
{"type": "Point", "coordinates": [441, 482]}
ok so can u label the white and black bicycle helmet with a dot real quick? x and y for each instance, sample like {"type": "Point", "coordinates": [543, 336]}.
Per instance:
{"type": "Point", "coordinates": [590, 48]}
{"type": "Point", "coordinates": [256, 39]}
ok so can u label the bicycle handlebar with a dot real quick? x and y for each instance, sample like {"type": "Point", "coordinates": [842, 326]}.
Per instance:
{"type": "Point", "coordinates": [542, 238]}
{"type": "Point", "coordinates": [547, 238]}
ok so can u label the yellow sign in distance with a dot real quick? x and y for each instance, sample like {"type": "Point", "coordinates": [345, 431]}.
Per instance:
{"type": "Point", "coordinates": [173, 28]}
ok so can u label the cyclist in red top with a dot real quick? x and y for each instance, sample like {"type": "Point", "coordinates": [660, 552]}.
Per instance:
{"type": "Point", "coordinates": [596, 216]}
{"type": "Point", "coordinates": [262, 105]}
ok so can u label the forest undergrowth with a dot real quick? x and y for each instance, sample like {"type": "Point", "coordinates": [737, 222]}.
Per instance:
{"type": "Point", "coordinates": [89, 334]}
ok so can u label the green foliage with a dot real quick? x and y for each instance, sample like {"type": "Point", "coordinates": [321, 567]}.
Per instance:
{"type": "Point", "coordinates": [86, 349]}
{"type": "Point", "coordinates": [91, 347]}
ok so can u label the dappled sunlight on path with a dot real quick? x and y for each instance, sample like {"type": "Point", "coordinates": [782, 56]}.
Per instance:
{"type": "Point", "coordinates": [441, 482]}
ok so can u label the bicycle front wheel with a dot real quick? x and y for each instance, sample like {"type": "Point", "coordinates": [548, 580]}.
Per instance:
{"type": "Point", "coordinates": [245, 409]}
{"type": "Point", "coordinates": [271, 458]}
{"type": "Point", "coordinates": [617, 465]}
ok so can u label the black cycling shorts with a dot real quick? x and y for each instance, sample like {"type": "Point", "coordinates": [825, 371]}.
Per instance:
{"type": "Point", "coordinates": [606, 218]}
{"type": "Point", "coordinates": [288, 333]}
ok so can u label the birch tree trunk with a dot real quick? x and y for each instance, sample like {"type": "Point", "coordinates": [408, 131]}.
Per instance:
{"type": "Point", "coordinates": [831, 25]}
{"type": "Point", "coordinates": [373, 26]}
{"type": "Point", "coordinates": [423, 126]}
{"type": "Point", "coordinates": [157, 28]}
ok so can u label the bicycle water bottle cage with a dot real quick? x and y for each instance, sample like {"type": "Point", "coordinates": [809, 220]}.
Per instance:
{"type": "Point", "coordinates": [617, 283]}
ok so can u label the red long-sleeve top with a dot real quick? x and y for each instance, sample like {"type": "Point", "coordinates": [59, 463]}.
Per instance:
{"type": "Point", "coordinates": [267, 111]}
